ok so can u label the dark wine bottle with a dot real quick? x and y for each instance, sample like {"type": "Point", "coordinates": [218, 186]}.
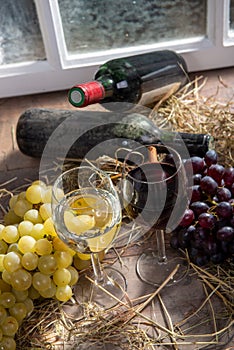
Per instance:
{"type": "Point", "coordinates": [140, 79]}
{"type": "Point", "coordinates": [75, 133]}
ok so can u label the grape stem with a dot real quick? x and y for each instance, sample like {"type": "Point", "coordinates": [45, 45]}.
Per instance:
{"type": "Point", "coordinates": [161, 246]}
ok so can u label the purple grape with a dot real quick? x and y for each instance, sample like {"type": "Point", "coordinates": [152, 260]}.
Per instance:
{"type": "Point", "coordinates": [174, 241]}
{"type": "Point", "coordinates": [206, 220]}
{"type": "Point", "coordinates": [217, 258]}
{"type": "Point", "coordinates": [225, 233]}
{"type": "Point", "coordinates": [224, 210]}
{"type": "Point", "coordinates": [199, 207]}
{"type": "Point", "coordinates": [208, 185]}
{"type": "Point", "coordinates": [197, 179]}
{"type": "Point", "coordinates": [201, 259]}
{"type": "Point", "coordinates": [229, 176]}
{"type": "Point", "coordinates": [201, 233]}
{"type": "Point", "coordinates": [232, 221]}
{"type": "Point", "coordinates": [197, 163]}
{"type": "Point", "coordinates": [185, 235]}
{"type": "Point", "coordinates": [187, 218]}
{"type": "Point", "coordinates": [223, 194]}
{"type": "Point", "coordinates": [196, 194]}
{"type": "Point", "coordinates": [211, 157]}
{"type": "Point", "coordinates": [210, 245]}
{"type": "Point", "coordinates": [232, 189]}
{"type": "Point", "coordinates": [216, 171]}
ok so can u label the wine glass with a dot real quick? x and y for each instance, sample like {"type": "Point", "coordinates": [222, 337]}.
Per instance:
{"type": "Point", "coordinates": [87, 217]}
{"type": "Point", "coordinates": [155, 193]}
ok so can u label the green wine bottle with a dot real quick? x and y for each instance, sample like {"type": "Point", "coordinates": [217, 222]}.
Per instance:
{"type": "Point", "coordinates": [140, 79]}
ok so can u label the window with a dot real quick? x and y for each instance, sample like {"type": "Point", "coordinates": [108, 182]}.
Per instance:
{"type": "Point", "coordinates": [49, 45]}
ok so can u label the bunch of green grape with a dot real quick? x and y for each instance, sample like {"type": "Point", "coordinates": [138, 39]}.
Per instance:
{"type": "Point", "coordinates": [34, 262]}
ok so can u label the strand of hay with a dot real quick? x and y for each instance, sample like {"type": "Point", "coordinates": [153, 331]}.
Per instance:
{"type": "Point", "coordinates": [189, 111]}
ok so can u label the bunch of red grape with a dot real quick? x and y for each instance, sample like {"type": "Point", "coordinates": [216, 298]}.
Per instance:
{"type": "Point", "coordinates": [206, 230]}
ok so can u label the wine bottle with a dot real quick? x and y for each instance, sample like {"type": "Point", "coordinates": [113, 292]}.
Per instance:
{"type": "Point", "coordinates": [75, 133]}
{"type": "Point", "coordinates": [140, 79]}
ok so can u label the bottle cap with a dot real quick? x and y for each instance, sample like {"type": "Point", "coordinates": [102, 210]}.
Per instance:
{"type": "Point", "coordinates": [85, 94]}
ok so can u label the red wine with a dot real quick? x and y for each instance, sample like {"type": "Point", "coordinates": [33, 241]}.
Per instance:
{"type": "Point", "coordinates": [150, 192]}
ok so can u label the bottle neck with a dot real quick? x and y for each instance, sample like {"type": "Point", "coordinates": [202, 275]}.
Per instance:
{"type": "Point", "coordinates": [92, 92]}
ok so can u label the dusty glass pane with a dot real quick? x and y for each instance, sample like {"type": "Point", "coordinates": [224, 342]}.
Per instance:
{"type": "Point", "coordinates": [96, 25]}
{"type": "Point", "coordinates": [20, 37]}
{"type": "Point", "coordinates": [232, 15]}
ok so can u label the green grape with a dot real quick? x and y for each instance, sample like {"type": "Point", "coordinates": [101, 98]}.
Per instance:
{"type": "Point", "coordinates": [10, 234]}
{"type": "Point", "coordinates": [4, 287]}
{"type": "Point", "coordinates": [74, 275]}
{"type": "Point", "coordinates": [63, 293]}
{"type": "Point", "coordinates": [20, 295]}
{"type": "Point", "coordinates": [49, 292]}
{"type": "Point", "coordinates": [34, 193]}
{"type": "Point", "coordinates": [10, 218]}
{"type": "Point", "coordinates": [41, 281]}
{"type": "Point", "coordinates": [47, 264]}
{"type": "Point", "coordinates": [45, 211]}
{"type": "Point", "coordinates": [46, 195]}
{"type": "Point", "coordinates": [1, 228]}
{"type": "Point", "coordinates": [7, 299]}
{"type": "Point", "coordinates": [63, 258]}
{"type": "Point", "coordinates": [21, 279]}
{"type": "Point", "coordinates": [49, 227]}
{"type": "Point", "coordinates": [33, 216]}
{"type": "Point", "coordinates": [21, 207]}
{"type": "Point", "coordinates": [59, 245]}
{"type": "Point", "coordinates": [2, 256]}
{"type": "Point", "coordinates": [3, 247]}
{"type": "Point", "coordinates": [25, 227]}
{"type": "Point", "coordinates": [38, 231]}
{"type": "Point", "coordinates": [12, 201]}
{"type": "Point", "coordinates": [10, 326]}
{"type": "Point", "coordinates": [13, 247]}
{"type": "Point", "coordinates": [12, 261]}
{"type": "Point", "coordinates": [7, 343]}
{"type": "Point", "coordinates": [62, 277]}
{"type": "Point", "coordinates": [22, 195]}
{"type": "Point", "coordinates": [1, 337]}
{"type": "Point", "coordinates": [40, 183]}
{"type": "Point", "coordinates": [3, 314]}
{"type": "Point", "coordinates": [29, 261]}
{"type": "Point", "coordinates": [33, 293]}
{"type": "Point", "coordinates": [26, 244]}
{"type": "Point", "coordinates": [18, 311]}
{"type": "Point", "coordinates": [6, 276]}
{"type": "Point", "coordinates": [29, 305]}
{"type": "Point", "coordinates": [43, 247]}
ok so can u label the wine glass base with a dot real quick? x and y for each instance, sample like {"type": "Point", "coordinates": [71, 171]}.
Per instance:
{"type": "Point", "coordinates": [105, 295]}
{"type": "Point", "coordinates": [153, 272]}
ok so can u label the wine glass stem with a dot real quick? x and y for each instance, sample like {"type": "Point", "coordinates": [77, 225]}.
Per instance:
{"type": "Point", "coordinates": [161, 246]}
{"type": "Point", "coordinates": [97, 268]}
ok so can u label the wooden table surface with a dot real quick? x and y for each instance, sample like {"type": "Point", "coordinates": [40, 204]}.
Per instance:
{"type": "Point", "coordinates": [16, 168]}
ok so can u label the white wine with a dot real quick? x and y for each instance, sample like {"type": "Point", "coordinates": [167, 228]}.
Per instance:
{"type": "Point", "coordinates": [86, 220]}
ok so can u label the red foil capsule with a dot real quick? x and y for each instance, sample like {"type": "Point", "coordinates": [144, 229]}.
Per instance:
{"type": "Point", "coordinates": [85, 94]}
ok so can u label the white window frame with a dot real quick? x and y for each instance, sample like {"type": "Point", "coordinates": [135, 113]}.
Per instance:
{"type": "Point", "coordinates": [60, 70]}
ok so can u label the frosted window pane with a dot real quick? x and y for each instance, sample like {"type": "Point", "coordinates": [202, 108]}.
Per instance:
{"type": "Point", "coordinates": [232, 15]}
{"type": "Point", "coordinates": [95, 25]}
{"type": "Point", "coordinates": [20, 37]}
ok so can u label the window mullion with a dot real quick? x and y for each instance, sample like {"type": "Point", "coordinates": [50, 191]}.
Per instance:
{"type": "Point", "coordinates": [216, 21]}
{"type": "Point", "coordinates": [52, 32]}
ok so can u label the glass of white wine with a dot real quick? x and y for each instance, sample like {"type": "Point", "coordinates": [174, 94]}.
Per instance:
{"type": "Point", "coordinates": [87, 217]}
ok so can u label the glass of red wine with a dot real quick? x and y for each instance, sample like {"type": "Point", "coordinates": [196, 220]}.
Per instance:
{"type": "Point", "coordinates": [155, 194]}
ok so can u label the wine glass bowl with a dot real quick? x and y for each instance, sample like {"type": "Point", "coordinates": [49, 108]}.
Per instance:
{"type": "Point", "coordinates": [87, 217]}
{"type": "Point", "coordinates": [155, 193]}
